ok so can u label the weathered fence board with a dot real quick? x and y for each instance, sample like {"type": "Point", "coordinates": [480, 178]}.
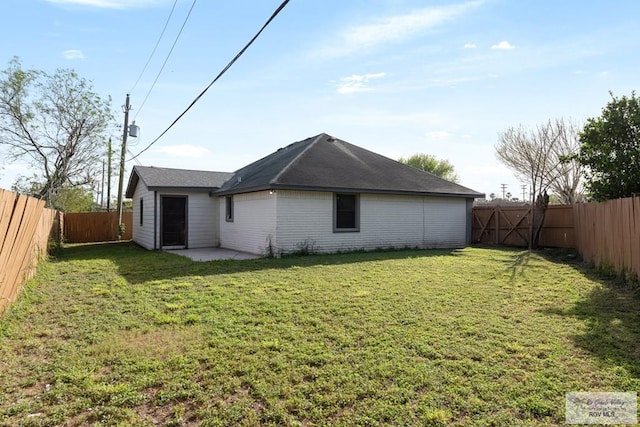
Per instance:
{"type": "Point", "coordinates": [25, 228]}
{"type": "Point", "coordinates": [92, 227]}
{"type": "Point", "coordinates": [511, 226]}
{"type": "Point", "coordinates": [608, 234]}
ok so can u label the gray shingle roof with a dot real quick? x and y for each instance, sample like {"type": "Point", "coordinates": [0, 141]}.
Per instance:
{"type": "Point", "coordinates": [180, 179]}
{"type": "Point", "coordinates": [322, 163]}
{"type": "Point", "coordinates": [330, 164]}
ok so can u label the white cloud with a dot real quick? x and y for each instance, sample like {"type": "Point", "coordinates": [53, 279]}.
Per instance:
{"type": "Point", "coordinates": [108, 4]}
{"type": "Point", "coordinates": [357, 82]}
{"type": "Point", "coordinates": [73, 54]}
{"type": "Point", "coordinates": [397, 28]}
{"type": "Point", "coordinates": [184, 150]}
{"type": "Point", "coordinates": [503, 45]}
{"type": "Point", "coordinates": [439, 135]}
{"type": "Point", "coordinates": [470, 46]}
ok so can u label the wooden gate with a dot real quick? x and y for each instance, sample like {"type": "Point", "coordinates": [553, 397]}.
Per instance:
{"type": "Point", "coordinates": [511, 226]}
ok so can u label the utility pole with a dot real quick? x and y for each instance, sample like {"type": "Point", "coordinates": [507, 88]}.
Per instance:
{"type": "Point", "coordinates": [109, 161]}
{"type": "Point", "coordinates": [102, 188]}
{"type": "Point", "coordinates": [524, 191]}
{"type": "Point", "coordinates": [123, 153]}
{"type": "Point", "coordinates": [504, 188]}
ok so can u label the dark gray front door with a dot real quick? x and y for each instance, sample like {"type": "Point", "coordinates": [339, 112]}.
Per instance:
{"type": "Point", "coordinates": [174, 221]}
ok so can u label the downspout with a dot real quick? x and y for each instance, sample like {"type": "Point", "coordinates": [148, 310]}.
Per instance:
{"type": "Point", "coordinates": [155, 220]}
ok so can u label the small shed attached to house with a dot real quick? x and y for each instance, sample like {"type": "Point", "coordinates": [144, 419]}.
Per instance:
{"type": "Point", "coordinates": [172, 208]}
{"type": "Point", "coordinates": [321, 194]}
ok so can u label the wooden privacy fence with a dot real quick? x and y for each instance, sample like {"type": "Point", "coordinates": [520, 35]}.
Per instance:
{"type": "Point", "coordinates": [608, 234]}
{"type": "Point", "coordinates": [25, 228]}
{"type": "Point", "coordinates": [89, 227]}
{"type": "Point", "coordinates": [510, 225]}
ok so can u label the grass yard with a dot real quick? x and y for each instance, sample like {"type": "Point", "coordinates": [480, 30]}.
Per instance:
{"type": "Point", "coordinates": [115, 335]}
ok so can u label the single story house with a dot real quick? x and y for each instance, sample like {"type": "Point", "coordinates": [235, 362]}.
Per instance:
{"type": "Point", "coordinates": [321, 194]}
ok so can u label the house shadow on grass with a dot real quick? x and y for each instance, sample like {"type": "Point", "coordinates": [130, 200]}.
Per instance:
{"type": "Point", "coordinates": [611, 312]}
{"type": "Point", "coordinates": [138, 265]}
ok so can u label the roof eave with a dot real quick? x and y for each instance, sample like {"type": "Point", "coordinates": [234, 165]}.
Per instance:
{"type": "Point", "coordinates": [251, 189]}
{"type": "Point", "coordinates": [134, 179]}
{"type": "Point", "coordinates": [375, 191]}
{"type": "Point", "coordinates": [183, 189]}
{"type": "Point", "coordinates": [345, 190]}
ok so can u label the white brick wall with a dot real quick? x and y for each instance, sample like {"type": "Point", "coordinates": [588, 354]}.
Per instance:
{"type": "Point", "coordinates": [295, 219]}
{"type": "Point", "coordinates": [254, 222]}
{"type": "Point", "coordinates": [306, 217]}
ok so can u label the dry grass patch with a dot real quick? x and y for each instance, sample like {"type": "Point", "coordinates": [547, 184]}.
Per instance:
{"type": "Point", "coordinates": [156, 344]}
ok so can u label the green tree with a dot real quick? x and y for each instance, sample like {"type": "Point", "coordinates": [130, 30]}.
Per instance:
{"type": "Point", "coordinates": [54, 122]}
{"type": "Point", "coordinates": [75, 199]}
{"type": "Point", "coordinates": [66, 199]}
{"type": "Point", "coordinates": [610, 150]}
{"type": "Point", "coordinates": [429, 163]}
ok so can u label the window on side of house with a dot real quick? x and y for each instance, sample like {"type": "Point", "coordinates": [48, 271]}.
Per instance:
{"type": "Point", "coordinates": [141, 211]}
{"type": "Point", "coordinates": [346, 212]}
{"type": "Point", "coordinates": [228, 201]}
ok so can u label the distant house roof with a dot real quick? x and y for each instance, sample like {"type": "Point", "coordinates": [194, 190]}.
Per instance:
{"type": "Point", "coordinates": [326, 163]}
{"type": "Point", "coordinates": [175, 179]}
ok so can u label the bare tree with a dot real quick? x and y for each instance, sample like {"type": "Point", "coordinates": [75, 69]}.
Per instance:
{"type": "Point", "coordinates": [542, 157]}
{"type": "Point", "coordinates": [55, 122]}
{"type": "Point", "coordinates": [566, 182]}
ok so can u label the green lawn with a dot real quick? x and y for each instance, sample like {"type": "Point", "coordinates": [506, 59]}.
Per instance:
{"type": "Point", "coordinates": [112, 334]}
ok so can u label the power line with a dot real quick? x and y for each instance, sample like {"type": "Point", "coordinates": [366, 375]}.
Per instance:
{"type": "Point", "coordinates": [224, 70]}
{"type": "Point", "coordinates": [166, 59]}
{"type": "Point", "coordinates": [137, 162]}
{"type": "Point", "coordinates": [155, 47]}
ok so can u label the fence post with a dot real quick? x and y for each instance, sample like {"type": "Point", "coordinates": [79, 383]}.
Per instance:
{"type": "Point", "coordinates": [497, 215]}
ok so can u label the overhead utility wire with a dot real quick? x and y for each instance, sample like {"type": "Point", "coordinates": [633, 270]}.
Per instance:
{"type": "Point", "coordinates": [166, 59]}
{"type": "Point", "coordinates": [224, 70]}
{"type": "Point", "coordinates": [155, 47]}
{"type": "Point", "coordinates": [137, 162]}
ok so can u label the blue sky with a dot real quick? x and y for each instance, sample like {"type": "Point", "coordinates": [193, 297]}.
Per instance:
{"type": "Point", "coordinates": [393, 76]}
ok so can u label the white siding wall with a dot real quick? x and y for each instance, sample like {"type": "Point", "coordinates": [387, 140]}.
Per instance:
{"type": "Point", "coordinates": [254, 222]}
{"type": "Point", "coordinates": [143, 233]}
{"type": "Point", "coordinates": [445, 222]}
{"type": "Point", "coordinates": [202, 219]}
{"type": "Point", "coordinates": [306, 218]}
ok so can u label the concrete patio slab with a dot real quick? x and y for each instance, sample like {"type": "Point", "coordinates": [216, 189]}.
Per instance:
{"type": "Point", "coordinates": [212, 254]}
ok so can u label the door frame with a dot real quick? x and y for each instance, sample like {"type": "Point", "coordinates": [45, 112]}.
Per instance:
{"type": "Point", "coordinates": [186, 220]}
